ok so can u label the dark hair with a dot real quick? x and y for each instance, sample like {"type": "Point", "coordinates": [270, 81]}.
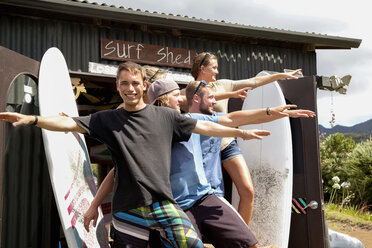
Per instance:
{"type": "Point", "coordinates": [131, 67]}
{"type": "Point", "coordinates": [199, 60]}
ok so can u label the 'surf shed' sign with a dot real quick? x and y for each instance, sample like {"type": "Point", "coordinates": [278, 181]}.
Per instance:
{"type": "Point", "coordinates": [146, 54]}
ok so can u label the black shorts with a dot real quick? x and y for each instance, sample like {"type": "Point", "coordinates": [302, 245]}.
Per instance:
{"type": "Point", "coordinates": [216, 220]}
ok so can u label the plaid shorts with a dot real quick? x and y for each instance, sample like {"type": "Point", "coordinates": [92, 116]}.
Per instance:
{"type": "Point", "coordinates": [132, 227]}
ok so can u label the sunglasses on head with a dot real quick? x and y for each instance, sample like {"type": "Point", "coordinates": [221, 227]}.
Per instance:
{"type": "Point", "coordinates": [153, 76]}
{"type": "Point", "coordinates": [200, 84]}
{"type": "Point", "coordinates": [204, 58]}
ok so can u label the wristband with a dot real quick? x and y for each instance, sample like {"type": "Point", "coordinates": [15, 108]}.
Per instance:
{"type": "Point", "coordinates": [268, 111]}
{"type": "Point", "coordinates": [36, 120]}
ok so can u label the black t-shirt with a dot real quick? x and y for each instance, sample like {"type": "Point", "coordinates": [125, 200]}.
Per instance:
{"type": "Point", "coordinates": [140, 143]}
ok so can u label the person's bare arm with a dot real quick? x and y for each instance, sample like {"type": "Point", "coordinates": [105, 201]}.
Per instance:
{"type": "Point", "coordinates": [208, 128]}
{"type": "Point", "coordinates": [263, 80]}
{"type": "Point", "coordinates": [57, 123]}
{"type": "Point", "coordinates": [247, 117]}
{"type": "Point", "coordinates": [104, 190]}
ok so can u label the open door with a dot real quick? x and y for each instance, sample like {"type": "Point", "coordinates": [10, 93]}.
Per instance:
{"type": "Point", "coordinates": [28, 215]}
{"type": "Point", "coordinates": [307, 225]}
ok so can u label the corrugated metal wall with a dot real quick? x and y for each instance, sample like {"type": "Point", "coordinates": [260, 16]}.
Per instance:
{"type": "Point", "coordinates": [80, 44]}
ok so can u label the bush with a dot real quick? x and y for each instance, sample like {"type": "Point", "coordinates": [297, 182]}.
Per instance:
{"type": "Point", "coordinates": [334, 151]}
{"type": "Point", "coordinates": [359, 172]}
{"type": "Point", "coordinates": [342, 158]}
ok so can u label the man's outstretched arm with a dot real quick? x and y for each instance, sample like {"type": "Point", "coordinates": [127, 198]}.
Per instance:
{"type": "Point", "coordinates": [208, 128]}
{"type": "Point", "coordinates": [247, 117]}
{"type": "Point", "coordinates": [57, 123]}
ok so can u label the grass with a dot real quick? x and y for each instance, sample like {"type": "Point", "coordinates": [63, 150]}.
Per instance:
{"type": "Point", "coordinates": [350, 214]}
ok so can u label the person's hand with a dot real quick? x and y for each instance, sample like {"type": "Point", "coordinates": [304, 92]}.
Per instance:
{"type": "Point", "coordinates": [17, 119]}
{"type": "Point", "coordinates": [254, 134]}
{"type": "Point", "coordinates": [91, 214]}
{"type": "Point", "coordinates": [296, 113]}
{"type": "Point", "coordinates": [292, 74]}
{"type": "Point", "coordinates": [281, 111]}
{"type": "Point", "coordinates": [63, 114]}
{"type": "Point", "coordinates": [242, 93]}
{"type": "Point", "coordinates": [120, 106]}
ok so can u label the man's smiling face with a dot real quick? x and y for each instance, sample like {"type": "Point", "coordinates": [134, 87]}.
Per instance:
{"type": "Point", "coordinates": [130, 87]}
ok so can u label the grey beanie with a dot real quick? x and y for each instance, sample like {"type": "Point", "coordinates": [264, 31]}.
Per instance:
{"type": "Point", "coordinates": [161, 87]}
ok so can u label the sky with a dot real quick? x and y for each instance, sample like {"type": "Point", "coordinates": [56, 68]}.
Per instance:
{"type": "Point", "coordinates": [335, 18]}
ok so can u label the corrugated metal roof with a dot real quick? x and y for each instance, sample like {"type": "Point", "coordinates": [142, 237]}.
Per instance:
{"type": "Point", "coordinates": [92, 9]}
{"type": "Point", "coordinates": [187, 17]}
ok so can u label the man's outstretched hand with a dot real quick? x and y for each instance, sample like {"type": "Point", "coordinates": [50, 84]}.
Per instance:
{"type": "Point", "coordinates": [17, 119]}
{"type": "Point", "coordinates": [254, 134]}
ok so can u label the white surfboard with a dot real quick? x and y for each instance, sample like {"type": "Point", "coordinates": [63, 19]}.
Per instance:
{"type": "Point", "coordinates": [271, 165]}
{"type": "Point", "coordinates": [67, 155]}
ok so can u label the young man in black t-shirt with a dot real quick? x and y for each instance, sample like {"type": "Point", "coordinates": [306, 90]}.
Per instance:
{"type": "Point", "coordinates": [141, 153]}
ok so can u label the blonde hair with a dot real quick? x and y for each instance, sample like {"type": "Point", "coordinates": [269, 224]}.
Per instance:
{"type": "Point", "coordinates": [162, 101]}
{"type": "Point", "coordinates": [191, 87]}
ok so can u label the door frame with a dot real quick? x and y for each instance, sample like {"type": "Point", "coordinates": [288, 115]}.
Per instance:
{"type": "Point", "coordinates": [12, 64]}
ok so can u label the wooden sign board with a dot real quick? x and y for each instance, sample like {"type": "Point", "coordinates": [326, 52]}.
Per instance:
{"type": "Point", "coordinates": [146, 53]}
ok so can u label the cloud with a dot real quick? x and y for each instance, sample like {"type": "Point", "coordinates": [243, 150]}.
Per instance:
{"type": "Point", "coordinates": [352, 62]}
{"type": "Point", "coordinates": [329, 61]}
{"type": "Point", "coordinates": [244, 12]}
{"type": "Point", "coordinates": [349, 110]}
